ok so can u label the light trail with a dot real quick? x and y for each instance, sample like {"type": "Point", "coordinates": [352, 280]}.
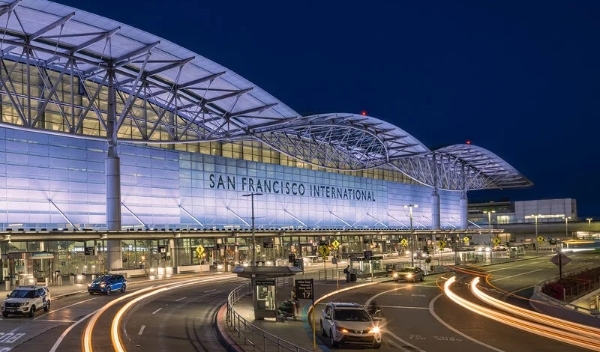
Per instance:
{"type": "Point", "coordinates": [143, 293]}
{"type": "Point", "coordinates": [565, 336]}
{"type": "Point", "coordinates": [533, 315]}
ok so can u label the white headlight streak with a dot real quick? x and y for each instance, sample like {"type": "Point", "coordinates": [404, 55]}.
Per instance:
{"type": "Point", "coordinates": [533, 322]}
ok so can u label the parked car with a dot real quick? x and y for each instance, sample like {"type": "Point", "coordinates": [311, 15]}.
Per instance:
{"type": "Point", "coordinates": [349, 323]}
{"type": "Point", "coordinates": [26, 300]}
{"type": "Point", "coordinates": [409, 273]}
{"type": "Point", "coordinates": [107, 284]}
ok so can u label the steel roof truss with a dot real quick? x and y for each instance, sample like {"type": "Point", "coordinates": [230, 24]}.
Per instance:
{"type": "Point", "coordinates": [130, 56]}
{"type": "Point", "coordinates": [91, 104]}
{"type": "Point", "coordinates": [51, 26]}
{"type": "Point", "coordinates": [131, 96]}
{"type": "Point", "coordinates": [171, 64]}
{"type": "Point", "coordinates": [12, 91]}
{"type": "Point", "coordinates": [52, 92]}
{"type": "Point", "coordinates": [8, 7]}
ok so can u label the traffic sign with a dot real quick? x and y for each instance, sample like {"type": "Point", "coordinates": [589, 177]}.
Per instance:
{"type": "Point", "coordinates": [441, 244]}
{"type": "Point", "coordinates": [304, 288]}
{"type": "Point", "coordinates": [466, 240]}
{"type": "Point", "coordinates": [200, 250]}
{"type": "Point", "coordinates": [496, 241]}
{"type": "Point", "coordinates": [324, 250]}
{"type": "Point", "coordinates": [335, 244]}
{"type": "Point", "coordinates": [540, 239]}
{"type": "Point", "coordinates": [560, 259]}
{"type": "Point", "coordinates": [404, 242]}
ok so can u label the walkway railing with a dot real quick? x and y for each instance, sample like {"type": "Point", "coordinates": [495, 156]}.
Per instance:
{"type": "Point", "coordinates": [249, 334]}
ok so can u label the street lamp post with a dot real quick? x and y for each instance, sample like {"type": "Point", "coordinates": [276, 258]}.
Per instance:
{"type": "Point", "coordinates": [412, 238]}
{"type": "Point", "coordinates": [251, 195]}
{"type": "Point", "coordinates": [589, 220]}
{"type": "Point", "coordinates": [489, 214]}
{"type": "Point", "coordinates": [536, 230]}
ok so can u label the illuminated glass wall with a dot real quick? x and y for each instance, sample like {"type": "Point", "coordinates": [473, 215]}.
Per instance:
{"type": "Point", "coordinates": [57, 182]}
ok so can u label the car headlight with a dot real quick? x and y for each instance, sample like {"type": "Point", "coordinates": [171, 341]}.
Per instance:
{"type": "Point", "coordinates": [395, 275]}
{"type": "Point", "coordinates": [374, 330]}
{"type": "Point", "coordinates": [103, 284]}
{"type": "Point", "coordinates": [341, 329]}
{"type": "Point", "coordinates": [409, 275]}
{"type": "Point", "coordinates": [220, 266]}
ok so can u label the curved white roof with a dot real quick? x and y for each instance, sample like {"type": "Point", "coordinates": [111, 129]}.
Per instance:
{"type": "Point", "coordinates": [144, 65]}
{"type": "Point", "coordinates": [168, 94]}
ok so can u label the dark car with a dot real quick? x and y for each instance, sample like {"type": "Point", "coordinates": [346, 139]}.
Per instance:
{"type": "Point", "coordinates": [409, 273]}
{"type": "Point", "coordinates": [107, 284]}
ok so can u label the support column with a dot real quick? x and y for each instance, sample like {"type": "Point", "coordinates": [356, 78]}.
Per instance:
{"type": "Point", "coordinates": [113, 181]}
{"type": "Point", "coordinates": [435, 210]}
{"type": "Point", "coordinates": [464, 207]}
{"type": "Point", "coordinates": [173, 252]}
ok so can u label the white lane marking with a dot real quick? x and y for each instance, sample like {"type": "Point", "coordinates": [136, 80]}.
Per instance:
{"type": "Point", "coordinates": [214, 289]}
{"type": "Point", "coordinates": [70, 305]}
{"type": "Point", "coordinates": [432, 312]}
{"type": "Point", "coordinates": [67, 330]}
{"type": "Point", "coordinates": [510, 277]}
{"type": "Point", "coordinates": [389, 333]}
{"type": "Point", "coordinates": [142, 329]}
{"type": "Point", "coordinates": [182, 298]}
{"type": "Point", "coordinates": [156, 311]}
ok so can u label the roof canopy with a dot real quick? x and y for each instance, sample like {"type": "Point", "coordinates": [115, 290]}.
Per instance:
{"type": "Point", "coordinates": [168, 94]}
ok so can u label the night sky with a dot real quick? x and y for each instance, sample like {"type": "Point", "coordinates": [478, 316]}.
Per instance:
{"type": "Point", "coordinates": [519, 78]}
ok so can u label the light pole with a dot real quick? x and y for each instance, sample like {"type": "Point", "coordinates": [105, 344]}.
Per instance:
{"type": "Point", "coordinates": [589, 220]}
{"type": "Point", "coordinates": [251, 195]}
{"type": "Point", "coordinates": [536, 230]}
{"type": "Point", "coordinates": [412, 238]}
{"type": "Point", "coordinates": [489, 214]}
{"type": "Point", "coordinates": [567, 226]}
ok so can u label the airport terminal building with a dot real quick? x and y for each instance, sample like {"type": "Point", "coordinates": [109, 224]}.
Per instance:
{"type": "Point", "coordinates": [118, 146]}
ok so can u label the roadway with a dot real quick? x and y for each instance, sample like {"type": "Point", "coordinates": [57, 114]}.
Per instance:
{"type": "Point", "coordinates": [179, 315]}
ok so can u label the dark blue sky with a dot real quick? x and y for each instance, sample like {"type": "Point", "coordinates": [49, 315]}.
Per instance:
{"type": "Point", "coordinates": [519, 78]}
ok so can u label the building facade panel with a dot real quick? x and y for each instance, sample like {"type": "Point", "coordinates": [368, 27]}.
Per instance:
{"type": "Point", "coordinates": [164, 188]}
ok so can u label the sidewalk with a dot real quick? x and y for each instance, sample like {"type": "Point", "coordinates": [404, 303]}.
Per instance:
{"type": "Point", "coordinates": [276, 336]}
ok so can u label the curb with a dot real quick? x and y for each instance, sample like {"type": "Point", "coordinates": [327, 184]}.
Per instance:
{"type": "Point", "coordinates": [222, 333]}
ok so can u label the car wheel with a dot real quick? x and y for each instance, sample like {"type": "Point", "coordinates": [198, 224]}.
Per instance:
{"type": "Point", "coordinates": [123, 288]}
{"type": "Point", "coordinates": [332, 340]}
{"type": "Point", "coordinates": [108, 291]}
{"type": "Point", "coordinates": [47, 307]}
{"type": "Point", "coordinates": [423, 278]}
{"type": "Point", "coordinates": [91, 293]}
{"type": "Point", "coordinates": [32, 312]}
{"type": "Point", "coordinates": [376, 345]}
{"type": "Point", "coordinates": [5, 315]}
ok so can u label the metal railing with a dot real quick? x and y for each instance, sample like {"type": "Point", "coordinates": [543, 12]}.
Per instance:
{"type": "Point", "coordinates": [249, 336]}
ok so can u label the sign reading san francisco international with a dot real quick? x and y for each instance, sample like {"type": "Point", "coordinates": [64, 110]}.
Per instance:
{"type": "Point", "coordinates": [254, 184]}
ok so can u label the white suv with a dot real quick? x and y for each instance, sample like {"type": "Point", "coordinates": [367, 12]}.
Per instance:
{"type": "Point", "coordinates": [26, 300]}
{"type": "Point", "coordinates": [349, 323]}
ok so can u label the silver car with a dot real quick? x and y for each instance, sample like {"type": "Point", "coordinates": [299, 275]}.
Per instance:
{"type": "Point", "coordinates": [349, 323]}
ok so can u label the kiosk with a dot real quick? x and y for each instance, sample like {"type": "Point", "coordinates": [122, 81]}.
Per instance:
{"type": "Point", "coordinates": [264, 287]}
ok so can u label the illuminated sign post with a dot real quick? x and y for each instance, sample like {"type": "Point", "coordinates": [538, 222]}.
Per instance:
{"type": "Point", "coordinates": [305, 290]}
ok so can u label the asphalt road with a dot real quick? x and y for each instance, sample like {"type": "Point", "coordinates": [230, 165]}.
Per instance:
{"type": "Point", "coordinates": [419, 317]}
{"type": "Point", "coordinates": [177, 317]}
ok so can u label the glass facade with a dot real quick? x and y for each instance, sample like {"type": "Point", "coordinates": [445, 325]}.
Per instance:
{"type": "Point", "coordinates": [59, 182]}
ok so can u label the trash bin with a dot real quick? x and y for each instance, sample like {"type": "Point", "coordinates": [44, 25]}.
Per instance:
{"type": "Point", "coordinates": [352, 277]}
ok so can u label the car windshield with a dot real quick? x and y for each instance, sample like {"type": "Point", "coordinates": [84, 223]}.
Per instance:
{"type": "Point", "coordinates": [22, 294]}
{"type": "Point", "coordinates": [352, 315]}
{"type": "Point", "coordinates": [408, 269]}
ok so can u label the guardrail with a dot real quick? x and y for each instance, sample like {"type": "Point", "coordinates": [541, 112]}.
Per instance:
{"type": "Point", "coordinates": [251, 335]}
